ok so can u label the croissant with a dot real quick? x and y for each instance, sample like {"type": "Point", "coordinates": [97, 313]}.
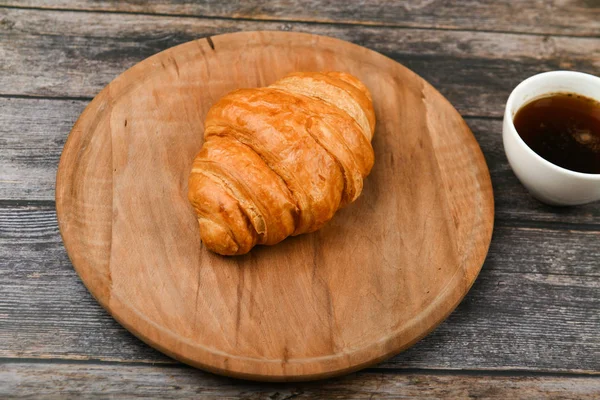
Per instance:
{"type": "Point", "coordinates": [281, 160]}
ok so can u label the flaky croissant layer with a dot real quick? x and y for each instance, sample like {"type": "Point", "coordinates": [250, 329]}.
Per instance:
{"type": "Point", "coordinates": [281, 160]}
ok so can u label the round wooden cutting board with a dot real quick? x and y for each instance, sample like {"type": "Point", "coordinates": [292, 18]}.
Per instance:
{"type": "Point", "coordinates": [381, 275]}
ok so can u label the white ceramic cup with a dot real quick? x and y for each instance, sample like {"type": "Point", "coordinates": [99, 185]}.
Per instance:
{"type": "Point", "coordinates": [545, 181]}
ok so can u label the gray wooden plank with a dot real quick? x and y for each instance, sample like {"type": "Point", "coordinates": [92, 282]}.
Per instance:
{"type": "Point", "coordinates": [31, 229]}
{"type": "Point", "coordinates": [534, 306]}
{"type": "Point", "coordinates": [51, 53]}
{"type": "Point", "coordinates": [33, 132]}
{"type": "Point", "coordinates": [32, 135]}
{"type": "Point", "coordinates": [71, 381]}
{"type": "Point", "coordinates": [572, 17]}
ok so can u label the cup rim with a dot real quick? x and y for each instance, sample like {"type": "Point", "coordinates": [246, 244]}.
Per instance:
{"type": "Point", "coordinates": [509, 118]}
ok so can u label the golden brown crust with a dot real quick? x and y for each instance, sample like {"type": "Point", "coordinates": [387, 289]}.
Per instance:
{"type": "Point", "coordinates": [261, 193]}
{"type": "Point", "coordinates": [338, 88]}
{"type": "Point", "coordinates": [267, 121]}
{"type": "Point", "coordinates": [281, 160]}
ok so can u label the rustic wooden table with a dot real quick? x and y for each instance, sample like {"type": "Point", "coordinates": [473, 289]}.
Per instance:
{"type": "Point", "coordinates": [530, 327]}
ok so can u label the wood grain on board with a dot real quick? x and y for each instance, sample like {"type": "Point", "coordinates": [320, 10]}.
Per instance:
{"type": "Point", "coordinates": [347, 296]}
{"type": "Point", "coordinates": [75, 54]}
{"type": "Point", "coordinates": [70, 381]}
{"type": "Point", "coordinates": [565, 17]}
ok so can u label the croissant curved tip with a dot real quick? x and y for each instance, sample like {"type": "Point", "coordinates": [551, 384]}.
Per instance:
{"type": "Point", "coordinates": [216, 238]}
